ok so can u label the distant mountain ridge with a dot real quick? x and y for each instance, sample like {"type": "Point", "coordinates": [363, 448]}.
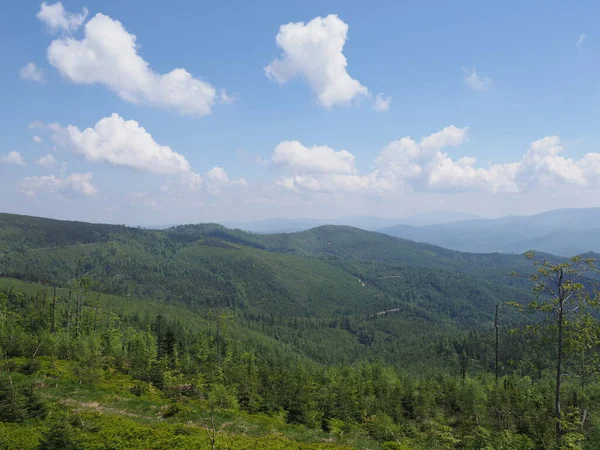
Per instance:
{"type": "Point", "coordinates": [371, 223]}
{"type": "Point", "coordinates": [564, 232]}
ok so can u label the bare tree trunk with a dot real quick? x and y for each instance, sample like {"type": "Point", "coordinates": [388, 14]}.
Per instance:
{"type": "Point", "coordinates": [77, 300]}
{"type": "Point", "coordinates": [69, 312]}
{"type": "Point", "coordinates": [108, 315]}
{"type": "Point", "coordinates": [78, 319]}
{"type": "Point", "coordinates": [210, 428]}
{"type": "Point", "coordinates": [559, 370]}
{"type": "Point", "coordinates": [496, 326]}
{"type": "Point", "coordinates": [96, 312]}
{"type": "Point", "coordinates": [53, 323]}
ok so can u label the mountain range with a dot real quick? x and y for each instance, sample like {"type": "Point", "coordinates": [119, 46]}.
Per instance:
{"type": "Point", "coordinates": [322, 272]}
{"type": "Point", "coordinates": [279, 225]}
{"type": "Point", "coordinates": [564, 232]}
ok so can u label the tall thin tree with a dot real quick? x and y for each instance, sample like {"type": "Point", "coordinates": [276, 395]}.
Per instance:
{"type": "Point", "coordinates": [561, 295]}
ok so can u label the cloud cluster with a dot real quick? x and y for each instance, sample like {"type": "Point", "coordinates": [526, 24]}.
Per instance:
{"type": "Point", "coordinates": [124, 143]}
{"type": "Point", "coordinates": [79, 184]}
{"type": "Point", "coordinates": [544, 165]}
{"type": "Point", "coordinates": [423, 165]}
{"type": "Point", "coordinates": [108, 55]}
{"type": "Point", "coordinates": [314, 52]}
{"type": "Point", "coordinates": [409, 165]}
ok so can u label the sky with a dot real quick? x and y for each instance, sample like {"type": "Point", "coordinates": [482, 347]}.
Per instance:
{"type": "Point", "coordinates": [150, 113]}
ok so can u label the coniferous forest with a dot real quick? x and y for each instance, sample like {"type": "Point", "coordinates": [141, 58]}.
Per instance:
{"type": "Point", "coordinates": [203, 337]}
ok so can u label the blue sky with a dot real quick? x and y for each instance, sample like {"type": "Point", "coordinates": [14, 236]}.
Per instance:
{"type": "Point", "coordinates": [512, 85]}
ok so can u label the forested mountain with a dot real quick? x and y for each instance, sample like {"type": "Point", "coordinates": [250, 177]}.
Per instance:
{"type": "Point", "coordinates": [200, 336]}
{"type": "Point", "coordinates": [565, 232]}
{"type": "Point", "coordinates": [324, 271]}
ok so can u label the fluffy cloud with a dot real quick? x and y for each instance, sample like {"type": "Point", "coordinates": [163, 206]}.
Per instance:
{"type": "Point", "coordinates": [37, 139]}
{"type": "Point", "coordinates": [13, 158]}
{"type": "Point", "coordinates": [120, 142]}
{"type": "Point", "coordinates": [314, 51]}
{"type": "Point", "coordinates": [476, 82]}
{"type": "Point", "coordinates": [31, 72]}
{"type": "Point", "coordinates": [580, 40]}
{"type": "Point", "coordinates": [544, 165]}
{"type": "Point", "coordinates": [77, 183]}
{"type": "Point", "coordinates": [47, 161]}
{"type": "Point", "coordinates": [408, 165]}
{"type": "Point", "coordinates": [382, 103]}
{"type": "Point", "coordinates": [321, 169]}
{"type": "Point", "coordinates": [56, 18]}
{"type": "Point", "coordinates": [318, 159]}
{"type": "Point", "coordinates": [124, 143]}
{"type": "Point", "coordinates": [107, 55]}
{"type": "Point", "coordinates": [217, 179]}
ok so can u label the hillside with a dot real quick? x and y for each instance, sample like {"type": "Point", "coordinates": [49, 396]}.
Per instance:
{"type": "Point", "coordinates": [124, 373]}
{"type": "Point", "coordinates": [322, 272]}
{"type": "Point", "coordinates": [200, 336]}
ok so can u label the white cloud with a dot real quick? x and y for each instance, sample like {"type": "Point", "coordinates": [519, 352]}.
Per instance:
{"type": "Point", "coordinates": [36, 124]}
{"type": "Point", "coordinates": [124, 143]}
{"type": "Point", "coordinates": [476, 82]}
{"type": "Point", "coordinates": [407, 165]}
{"type": "Point", "coordinates": [318, 159]}
{"type": "Point", "coordinates": [544, 165]}
{"type": "Point", "coordinates": [31, 72]}
{"type": "Point", "coordinates": [77, 183]}
{"type": "Point", "coordinates": [13, 158]}
{"type": "Point", "coordinates": [580, 40]}
{"type": "Point", "coordinates": [422, 165]}
{"type": "Point", "coordinates": [56, 18]}
{"type": "Point", "coordinates": [217, 179]}
{"type": "Point", "coordinates": [382, 103]}
{"type": "Point", "coordinates": [107, 55]}
{"type": "Point", "coordinates": [37, 139]}
{"type": "Point", "coordinates": [335, 183]}
{"type": "Point", "coordinates": [322, 169]}
{"type": "Point", "coordinates": [120, 142]}
{"type": "Point", "coordinates": [314, 51]}
{"type": "Point", "coordinates": [47, 161]}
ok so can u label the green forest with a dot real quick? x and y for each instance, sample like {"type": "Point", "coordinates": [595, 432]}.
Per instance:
{"type": "Point", "coordinates": [203, 337]}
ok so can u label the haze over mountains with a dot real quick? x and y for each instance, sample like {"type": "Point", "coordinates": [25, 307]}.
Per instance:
{"type": "Point", "coordinates": [280, 225]}
{"type": "Point", "coordinates": [563, 232]}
